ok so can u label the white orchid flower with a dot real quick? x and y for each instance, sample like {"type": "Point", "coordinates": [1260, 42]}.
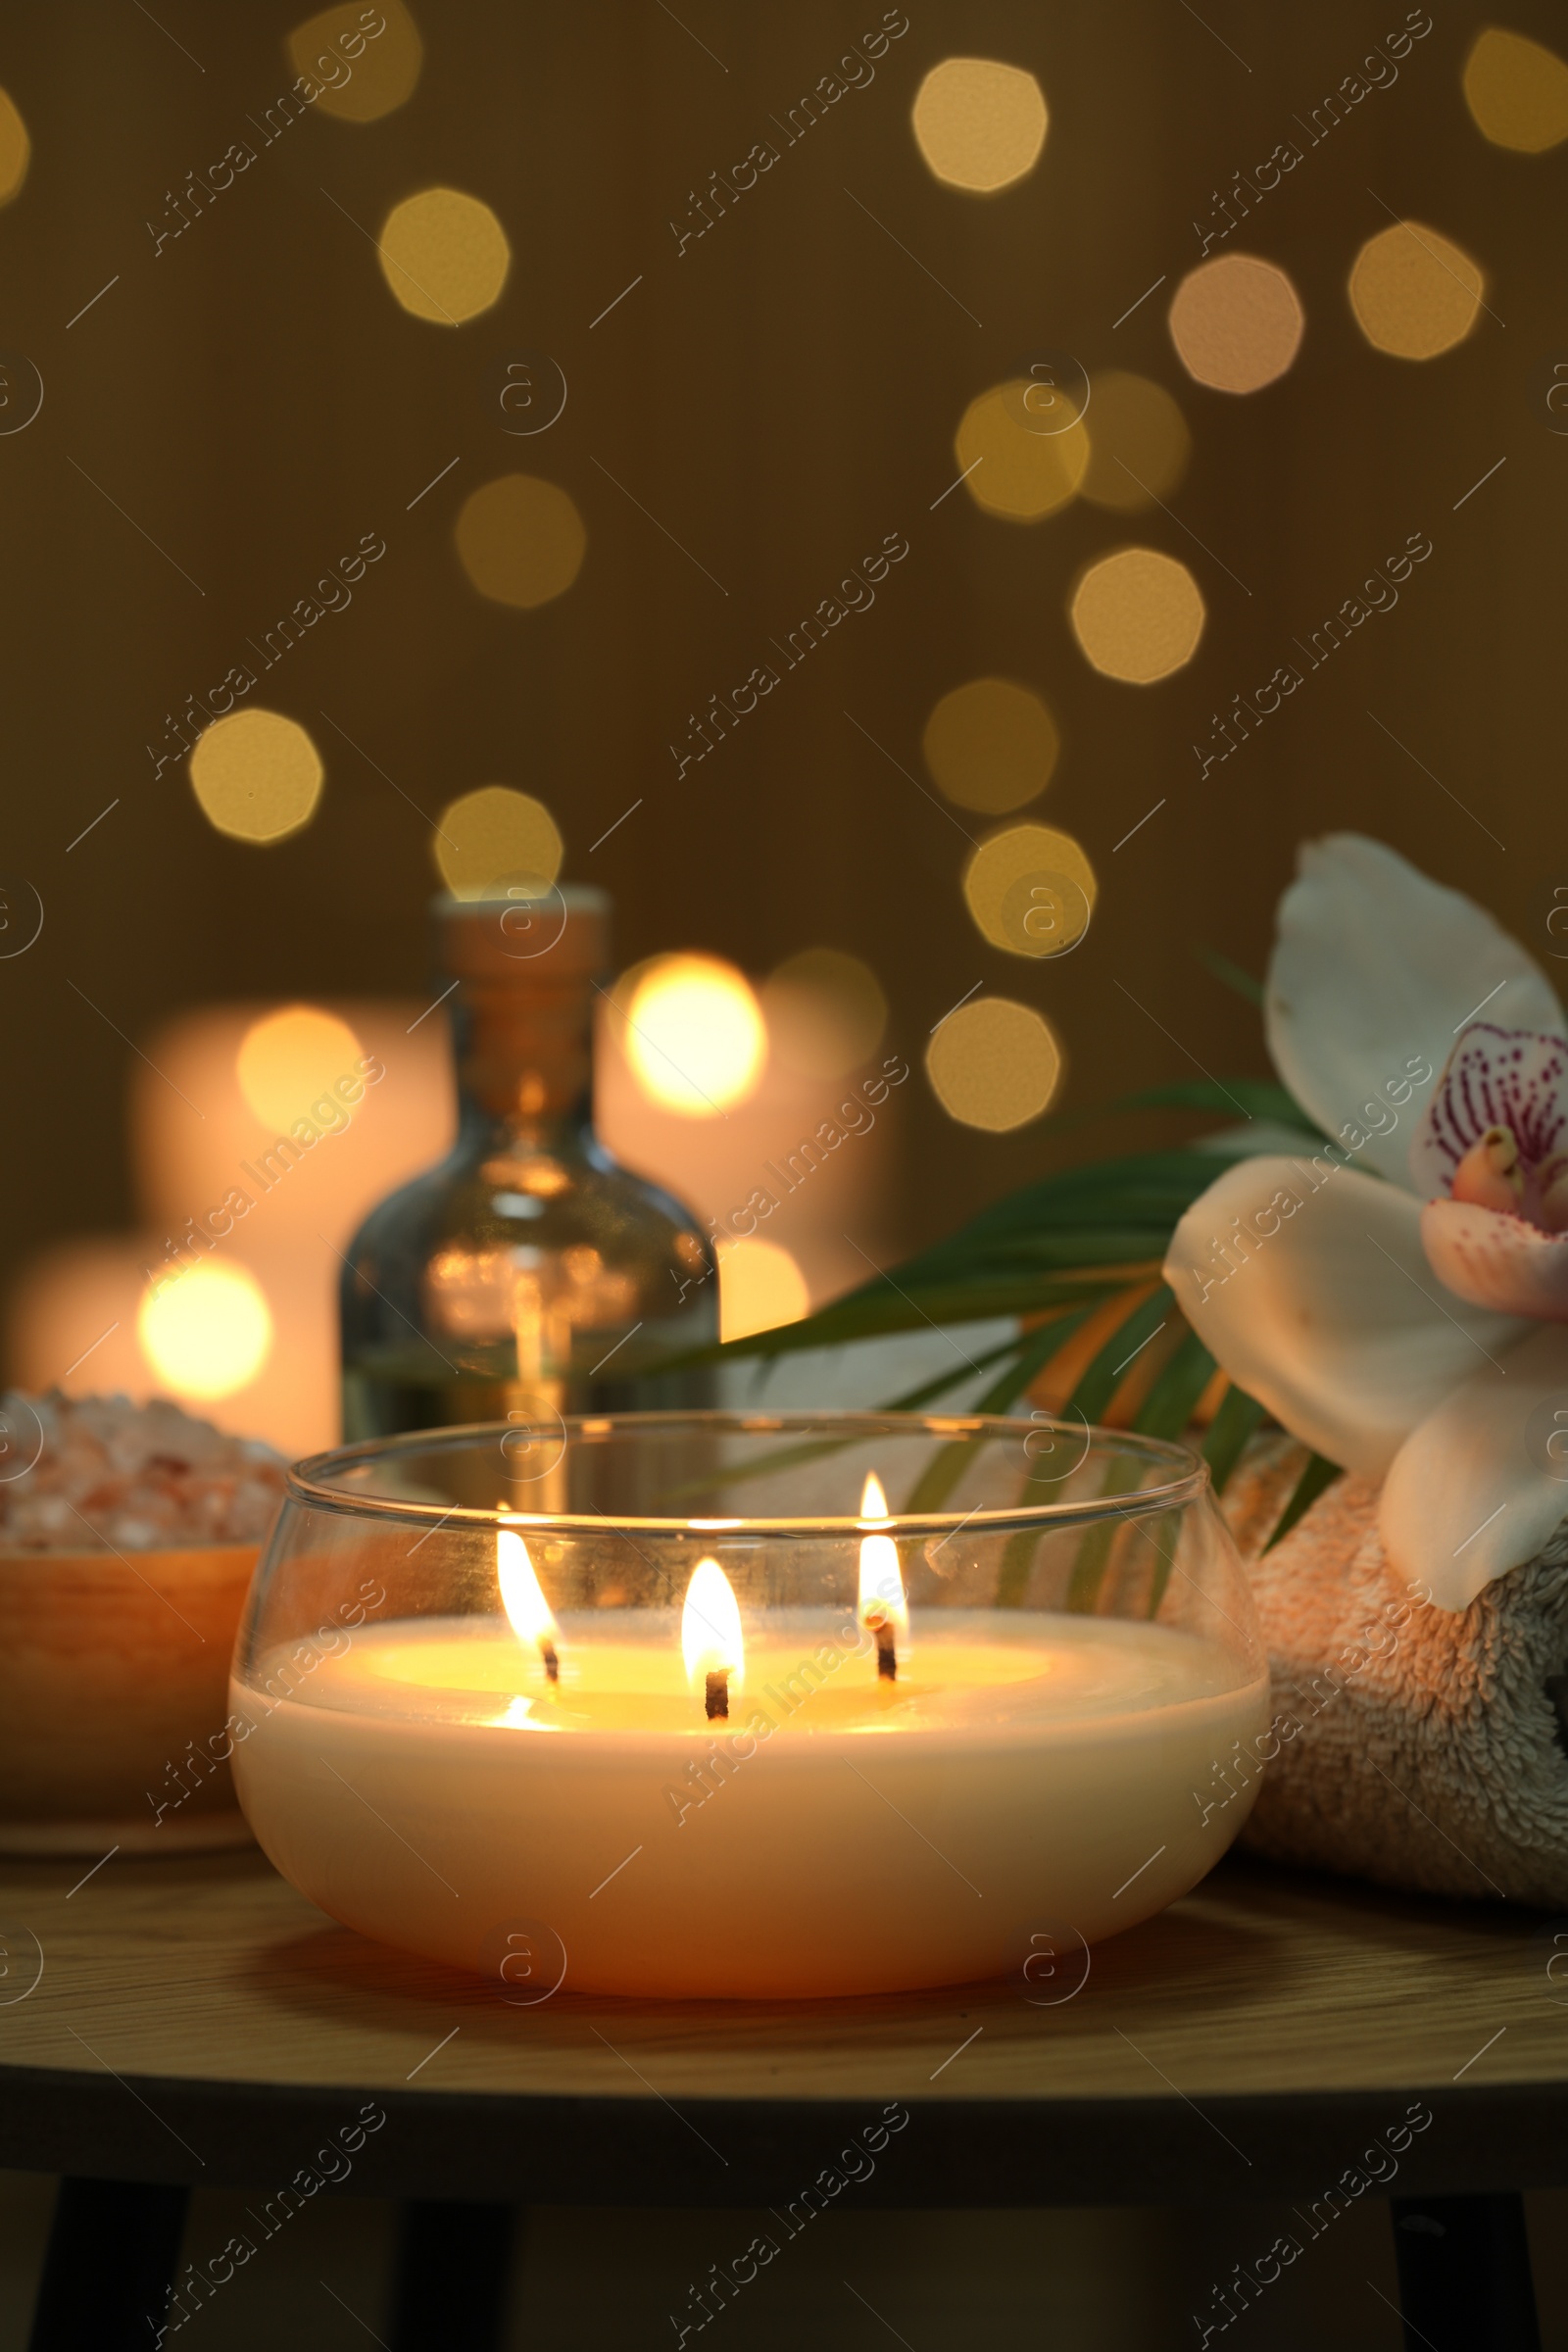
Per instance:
{"type": "Point", "coordinates": [1410, 1324]}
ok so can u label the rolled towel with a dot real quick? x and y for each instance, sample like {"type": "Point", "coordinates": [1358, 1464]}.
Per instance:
{"type": "Point", "coordinates": [1420, 1747]}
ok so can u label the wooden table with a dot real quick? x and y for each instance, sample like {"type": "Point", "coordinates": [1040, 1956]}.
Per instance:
{"type": "Point", "coordinates": [198, 2021]}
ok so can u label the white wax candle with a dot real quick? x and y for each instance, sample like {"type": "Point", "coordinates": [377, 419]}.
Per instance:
{"type": "Point", "coordinates": [839, 1834]}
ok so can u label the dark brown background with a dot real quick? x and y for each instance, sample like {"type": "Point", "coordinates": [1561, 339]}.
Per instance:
{"type": "Point", "coordinates": [780, 397]}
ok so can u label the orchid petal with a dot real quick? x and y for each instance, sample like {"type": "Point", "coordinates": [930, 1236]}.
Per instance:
{"type": "Point", "coordinates": [1478, 1487]}
{"type": "Point", "coordinates": [1375, 972]}
{"type": "Point", "coordinates": [1513, 1078]}
{"type": "Point", "coordinates": [1490, 1259]}
{"type": "Point", "coordinates": [1308, 1283]}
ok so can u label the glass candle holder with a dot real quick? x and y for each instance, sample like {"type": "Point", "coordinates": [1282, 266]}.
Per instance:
{"type": "Point", "coordinates": [730, 1706]}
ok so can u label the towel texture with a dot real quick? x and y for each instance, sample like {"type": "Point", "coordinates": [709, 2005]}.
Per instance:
{"type": "Point", "coordinates": [1413, 1745]}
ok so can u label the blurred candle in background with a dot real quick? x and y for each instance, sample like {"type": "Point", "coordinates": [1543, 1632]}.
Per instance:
{"type": "Point", "coordinates": [769, 1111]}
{"type": "Point", "coordinates": [259, 1133]}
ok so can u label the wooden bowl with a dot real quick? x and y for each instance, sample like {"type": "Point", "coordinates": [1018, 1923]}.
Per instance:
{"type": "Point", "coordinates": [113, 1698]}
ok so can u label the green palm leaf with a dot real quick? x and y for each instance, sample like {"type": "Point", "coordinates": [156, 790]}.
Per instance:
{"type": "Point", "coordinates": [1102, 1376]}
{"type": "Point", "coordinates": [1058, 1249]}
{"type": "Point", "coordinates": [1172, 1401]}
{"type": "Point", "coordinates": [1238, 1416]}
{"type": "Point", "coordinates": [1059, 1242]}
{"type": "Point", "coordinates": [929, 1390]}
{"type": "Point", "coordinates": [1319, 1474]}
{"type": "Point", "coordinates": [945, 1469]}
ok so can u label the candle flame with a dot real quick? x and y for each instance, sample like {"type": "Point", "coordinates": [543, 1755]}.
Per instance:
{"type": "Point", "coordinates": [882, 1594]}
{"type": "Point", "coordinates": [522, 1591]}
{"type": "Point", "coordinates": [884, 1605]}
{"type": "Point", "coordinates": [711, 1628]}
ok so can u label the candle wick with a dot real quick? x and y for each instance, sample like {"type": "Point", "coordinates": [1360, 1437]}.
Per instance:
{"type": "Point", "coordinates": [546, 1651]}
{"type": "Point", "coordinates": [887, 1656]}
{"type": "Point", "coordinates": [716, 1696]}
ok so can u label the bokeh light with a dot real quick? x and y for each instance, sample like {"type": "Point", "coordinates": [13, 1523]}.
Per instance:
{"type": "Point", "coordinates": [979, 124]}
{"type": "Point", "coordinates": [382, 70]}
{"type": "Point", "coordinates": [1017, 470]}
{"type": "Point", "coordinates": [522, 540]}
{"type": "Point", "coordinates": [1413, 292]}
{"type": "Point", "coordinates": [1138, 614]}
{"type": "Point", "coordinates": [1236, 322]}
{"type": "Point", "coordinates": [444, 255]}
{"type": "Point", "coordinates": [1517, 91]}
{"type": "Point", "coordinates": [1140, 445]}
{"type": "Point", "coordinates": [759, 1287]}
{"type": "Point", "coordinates": [16, 148]}
{"type": "Point", "coordinates": [1030, 890]}
{"type": "Point", "coordinates": [994, 1064]}
{"type": "Point", "coordinates": [694, 1032]}
{"type": "Point", "coordinates": [495, 840]}
{"type": "Point", "coordinates": [206, 1331]}
{"type": "Point", "coordinates": [991, 745]}
{"type": "Point", "coordinates": [825, 1012]}
{"type": "Point", "coordinates": [289, 1060]}
{"type": "Point", "coordinates": [257, 775]}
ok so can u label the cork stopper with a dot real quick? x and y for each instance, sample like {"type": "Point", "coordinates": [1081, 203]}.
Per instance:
{"type": "Point", "coordinates": [562, 936]}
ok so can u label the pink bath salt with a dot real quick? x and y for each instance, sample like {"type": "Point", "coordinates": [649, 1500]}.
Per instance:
{"type": "Point", "coordinates": [111, 1474]}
